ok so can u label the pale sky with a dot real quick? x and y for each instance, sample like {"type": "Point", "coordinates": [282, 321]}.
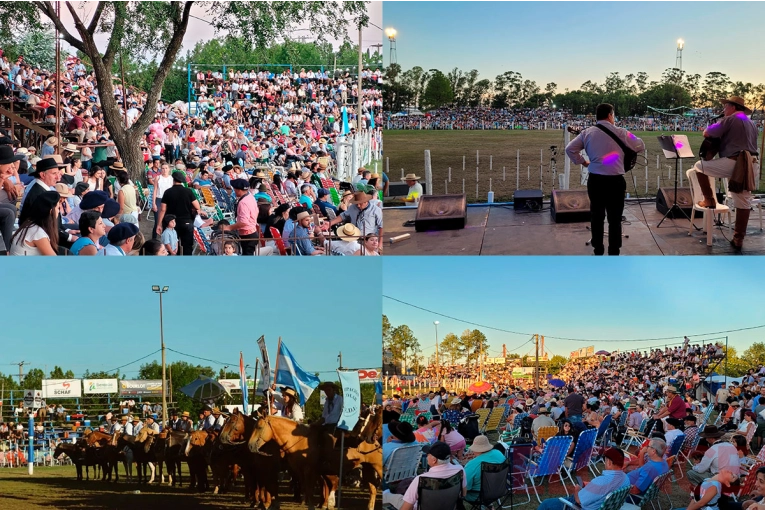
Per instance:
{"type": "Point", "coordinates": [571, 42]}
{"type": "Point", "coordinates": [199, 30]}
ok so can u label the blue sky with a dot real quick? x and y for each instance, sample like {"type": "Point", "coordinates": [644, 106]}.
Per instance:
{"type": "Point", "coordinates": [90, 313]}
{"type": "Point", "coordinates": [560, 42]}
{"type": "Point", "coordinates": [576, 297]}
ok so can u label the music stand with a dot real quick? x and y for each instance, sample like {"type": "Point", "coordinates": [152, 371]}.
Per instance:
{"type": "Point", "coordinates": [675, 147]}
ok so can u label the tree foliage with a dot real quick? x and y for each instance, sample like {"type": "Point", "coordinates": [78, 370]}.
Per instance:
{"type": "Point", "coordinates": [36, 44]}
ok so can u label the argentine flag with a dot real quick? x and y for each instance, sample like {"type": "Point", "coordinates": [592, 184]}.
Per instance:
{"type": "Point", "coordinates": [291, 374]}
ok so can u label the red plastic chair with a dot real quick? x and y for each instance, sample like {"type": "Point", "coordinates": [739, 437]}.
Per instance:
{"type": "Point", "coordinates": [279, 241]}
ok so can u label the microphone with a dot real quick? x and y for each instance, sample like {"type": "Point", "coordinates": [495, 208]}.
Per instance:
{"type": "Point", "coordinates": [719, 116]}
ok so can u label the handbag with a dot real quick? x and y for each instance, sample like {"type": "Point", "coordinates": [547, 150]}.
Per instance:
{"type": "Point", "coordinates": [630, 156]}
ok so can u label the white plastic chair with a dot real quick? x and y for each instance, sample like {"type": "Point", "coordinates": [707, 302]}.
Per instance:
{"type": "Point", "coordinates": [696, 196]}
{"type": "Point", "coordinates": [756, 202]}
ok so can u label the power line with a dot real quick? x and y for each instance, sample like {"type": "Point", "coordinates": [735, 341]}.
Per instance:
{"type": "Point", "coordinates": [132, 362]}
{"type": "Point", "coordinates": [568, 339]}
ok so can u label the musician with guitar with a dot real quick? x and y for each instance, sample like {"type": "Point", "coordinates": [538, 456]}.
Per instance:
{"type": "Point", "coordinates": [611, 151]}
{"type": "Point", "coordinates": [737, 161]}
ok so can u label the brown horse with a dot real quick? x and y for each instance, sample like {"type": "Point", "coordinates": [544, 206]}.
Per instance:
{"type": "Point", "coordinates": [174, 444]}
{"type": "Point", "coordinates": [300, 444]}
{"type": "Point", "coordinates": [196, 456]}
{"type": "Point", "coordinates": [261, 472]}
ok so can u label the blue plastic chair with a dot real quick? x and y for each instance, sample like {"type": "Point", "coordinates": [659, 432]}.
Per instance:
{"type": "Point", "coordinates": [582, 454]}
{"type": "Point", "coordinates": [551, 462]}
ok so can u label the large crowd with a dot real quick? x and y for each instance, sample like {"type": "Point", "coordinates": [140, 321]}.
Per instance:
{"type": "Point", "coordinates": [651, 408]}
{"type": "Point", "coordinates": [482, 118]}
{"type": "Point", "coordinates": [250, 167]}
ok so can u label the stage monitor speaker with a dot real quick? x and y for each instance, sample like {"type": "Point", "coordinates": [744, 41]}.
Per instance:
{"type": "Point", "coordinates": [664, 201]}
{"type": "Point", "coordinates": [570, 206]}
{"type": "Point", "coordinates": [441, 212]}
{"type": "Point", "coordinates": [527, 200]}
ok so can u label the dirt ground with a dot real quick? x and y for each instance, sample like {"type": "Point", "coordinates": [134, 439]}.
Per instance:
{"type": "Point", "coordinates": [57, 487]}
{"type": "Point", "coordinates": [405, 149]}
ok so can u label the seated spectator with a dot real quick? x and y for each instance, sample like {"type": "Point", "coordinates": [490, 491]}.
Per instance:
{"type": "Point", "coordinates": [438, 457]}
{"type": "Point", "coordinates": [641, 478]}
{"type": "Point", "coordinates": [401, 434]}
{"type": "Point", "coordinates": [720, 455]}
{"type": "Point", "coordinates": [484, 452]}
{"type": "Point", "coordinates": [592, 495]}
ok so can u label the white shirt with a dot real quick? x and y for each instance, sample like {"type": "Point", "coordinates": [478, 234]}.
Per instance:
{"type": "Point", "coordinates": [21, 246]}
{"type": "Point", "coordinates": [332, 410]}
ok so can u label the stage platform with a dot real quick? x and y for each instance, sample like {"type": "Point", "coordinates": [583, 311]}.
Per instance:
{"type": "Point", "coordinates": [499, 230]}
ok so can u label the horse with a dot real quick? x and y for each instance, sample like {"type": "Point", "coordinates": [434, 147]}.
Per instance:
{"type": "Point", "coordinates": [81, 455]}
{"type": "Point", "coordinates": [103, 442]}
{"type": "Point", "coordinates": [196, 456]}
{"type": "Point", "coordinates": [300, 444]}
{"type": "Point", "coordinates": [141, 455]}
{"type": "Point", "coordinates": [261, 473]}
{"type": "Point", "coordinates": [174, 442]}
{"type": "Point", "coordinates": [127, 456]}
{"type": "Point", "coordinates": [74, 452]}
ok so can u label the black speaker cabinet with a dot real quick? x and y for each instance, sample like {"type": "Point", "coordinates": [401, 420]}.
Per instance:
{"type": "Point", "coordinates": [570, 206]}
{"type": "Point", "coordinates": [664, 201]}
{"type": "Point", "coordinates": [527, 199]}
{"type": "Point", "coordinates": [441, 212]}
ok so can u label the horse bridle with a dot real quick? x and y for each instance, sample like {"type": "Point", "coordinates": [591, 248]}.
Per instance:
{"type": "Point", "coordinates": [226, 441]}
{"type": "Point", "coordinates": [258, 438]}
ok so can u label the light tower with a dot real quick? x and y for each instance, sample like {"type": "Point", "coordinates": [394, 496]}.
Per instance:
{"type": "Point", "coordinates": [679, 57]}
{"type": "Point", "coordinates": [391, 33]}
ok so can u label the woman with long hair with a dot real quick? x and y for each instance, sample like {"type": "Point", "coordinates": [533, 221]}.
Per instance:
{"type": "Point", "coordinates": [127, 196]}
{"type": "Point", "coordinates": [454, 439]}
{"type": "Point", "coordinates": [38, 235]}
{"type": "Point", "coordinates": [97, 179]}
{"type": "Point", "coordinates": [290, 405]}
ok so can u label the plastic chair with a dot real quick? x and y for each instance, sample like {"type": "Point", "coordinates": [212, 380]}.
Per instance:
{"type": "Point", "coordinates": [403, 463]}
{"type": "Point", "coordinates": [582, 454]}
{"type": "Point", "coordinates": [696, 196]}
{"type": "Point", "coordinates": [614, 500]}
{"type": "Point", "coordinates": [690, 444]}
{"type": "Point", "coordinates": [748, 485]}
{"type": "Point", "coordinates": [493, 485]}
{"type": "Point", "coordinates": [277, 237]}
{"type": "Point", "coordinates": [545, 433]}
{"type": "Point", "coordinates": [756, 202]}
{"type": "Point", "coordinates": [551, 462]}
{"type": "Point", "coordinates": [439, 493]}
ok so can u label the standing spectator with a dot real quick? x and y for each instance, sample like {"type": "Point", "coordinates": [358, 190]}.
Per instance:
{"type": "Point", "coordinates": [181, 202]}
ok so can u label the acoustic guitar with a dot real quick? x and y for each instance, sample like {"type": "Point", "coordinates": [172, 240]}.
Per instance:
{"type": "Point", "coordinates": [710, 147]}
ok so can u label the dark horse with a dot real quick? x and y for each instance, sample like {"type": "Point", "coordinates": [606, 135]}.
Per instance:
{"type": "Point", "coordinates": [261, 472]}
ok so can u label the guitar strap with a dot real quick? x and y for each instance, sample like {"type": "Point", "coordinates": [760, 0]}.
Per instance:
{"type": "Point", "coordinates": [615, 138]}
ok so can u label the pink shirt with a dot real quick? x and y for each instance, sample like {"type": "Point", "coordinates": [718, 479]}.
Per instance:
{"type": "Point", "coordinates": [247, 214]}
{"type": "Point", "coordinates": [438, 471]}
{"type": "Point", "coordinates": [719, 456]}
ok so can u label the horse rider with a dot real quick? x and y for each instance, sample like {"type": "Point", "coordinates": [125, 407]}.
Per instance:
{"type": "Point", "coordinates": [137, 425]}
{"type": "Point", "coordinates": [208, 422]}
{"type": "Point", "coordinates": [288, 405]}
{"type": "Point", "coordinates": [151, 424]}
{"type": "Point", "coordinates": [114, 425]}
{"type": "Point", "coordinates": [220, 420]}
{"type": "Point", "coordinates": [333, 408]}
{"type": "Point", "coordinates": [174, 422]}
{"type": "Point", "coordinates": [119, 428]}
{"type": "Point", "coordinates": [186, 425]}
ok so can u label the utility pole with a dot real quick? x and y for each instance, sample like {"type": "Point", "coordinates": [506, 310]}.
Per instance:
{"type": "Point", "coordinates": [536, 361]}
{"type": "Point", "coordinates": [58, 82]}
{"type": "Point", "coordinates": [358, 75]}
{"type": "Point", "coordinates": [481, 373]}
{"type": "Point", "coordinates": [340, 360]}
{"type": "Point", "coordinates": [435, 323]}
{"type": "Point", "coordinates": [21, 371]}
{"type": "Point", "coordinates": [156, 290]}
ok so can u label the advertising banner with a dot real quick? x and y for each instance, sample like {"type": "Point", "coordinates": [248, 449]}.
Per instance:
{"type": "Point", "coordinates": [61, 388]}
{"type": "Point", "coordinates": [235, 384]}
{"type": "Point", "coordinates": [150, 387]}
{"type": "Point", "coordinates": [91, 386]}
{"type": "Point", "coordinates": [370, 375]}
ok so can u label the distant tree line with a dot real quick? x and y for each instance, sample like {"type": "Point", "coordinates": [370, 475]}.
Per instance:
{"type": "Point", "coordinates": [631, 94]}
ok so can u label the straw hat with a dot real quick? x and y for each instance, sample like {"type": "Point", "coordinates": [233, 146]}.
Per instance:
{"type": "Point", "coordinates": [360, 198]}
{"type": "Point", "coordinates": [70, 147]}
{"type": "Point", "coordinates": [63, 190]}
{"type": "Point", "coordinates": [52, 141]}
{"type": "Point", "coordinates": [348, 232]}
{"type": "Point", "coordinates": [118, 166]}
{"type": "Point", "coordinates": [185, 414]}
{"type": "Point", "coordinates": [302, 216]}
{"type": "Point", "coordinates": [411, 177]}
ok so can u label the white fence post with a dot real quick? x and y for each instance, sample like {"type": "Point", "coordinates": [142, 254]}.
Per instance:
{"type": "Point", "coordinates": [567, 161]}
{"type": "Point", "coordinates": [428, 174]}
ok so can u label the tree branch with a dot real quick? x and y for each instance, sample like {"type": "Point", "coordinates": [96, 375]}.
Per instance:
{"type": "Point", "coordinates": [118, 32]}
{"type": "Point", "coordinates": [179, 32]}
{"type": "Point", "coordinates": [96, 18]}
{"type": "Point", "coordinates": [48, 10]}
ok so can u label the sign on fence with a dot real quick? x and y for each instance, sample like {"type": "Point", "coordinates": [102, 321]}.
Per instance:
{"type": "Point", "coordinates": [92, 386]}
{"type": "Point", "coordinates": [235, 384]}
{"type": "Point", "coordinates": [152, 387]}
{"type": "Point", "coordinates": [33, 399]}
{"type": "Point", "coordinates": [61, 388]}
{"type": "Point", "coordinates": [370, 375]}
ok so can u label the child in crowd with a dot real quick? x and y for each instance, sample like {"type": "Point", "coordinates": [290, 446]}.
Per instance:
{"type": "Point", "coordinates": [169, 235]}
{"type": "Point", "coordinates": [229, 249]}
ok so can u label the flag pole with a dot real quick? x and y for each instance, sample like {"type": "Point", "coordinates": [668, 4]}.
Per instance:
{"type": "Point", "coordinates": [276, 371]}
{"type": "Point", "coordinates": [255, 387]}
{"type": "Point", "coordinates": [340, 475]}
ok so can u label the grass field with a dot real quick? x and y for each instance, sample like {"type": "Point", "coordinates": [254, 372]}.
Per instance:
{"type": "Point", "coordinates": [405, 149]}
{"type": "Point", "coordinates": [57, 487]}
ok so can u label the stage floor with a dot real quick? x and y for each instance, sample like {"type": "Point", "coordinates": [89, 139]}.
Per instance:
{"type": "Point", "coordinates": [499, 230]}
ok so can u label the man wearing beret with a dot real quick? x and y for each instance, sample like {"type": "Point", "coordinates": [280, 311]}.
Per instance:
{"type": "Point", "coordinates": [121, 239]}
{"type": "Point", "coordinates": [246, 219]}
{"type": "Point", "coordinates": [181, 202]}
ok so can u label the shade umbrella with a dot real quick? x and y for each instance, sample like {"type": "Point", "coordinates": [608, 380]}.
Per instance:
{"type": "Point", "coordinates": [479, 387]}
{"type": "Point", "coordinates": [556, 383]}
{"type": "Point", "coordinates": [602, 353]}
{"type": "Point", "coordinates": [204, 389]}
